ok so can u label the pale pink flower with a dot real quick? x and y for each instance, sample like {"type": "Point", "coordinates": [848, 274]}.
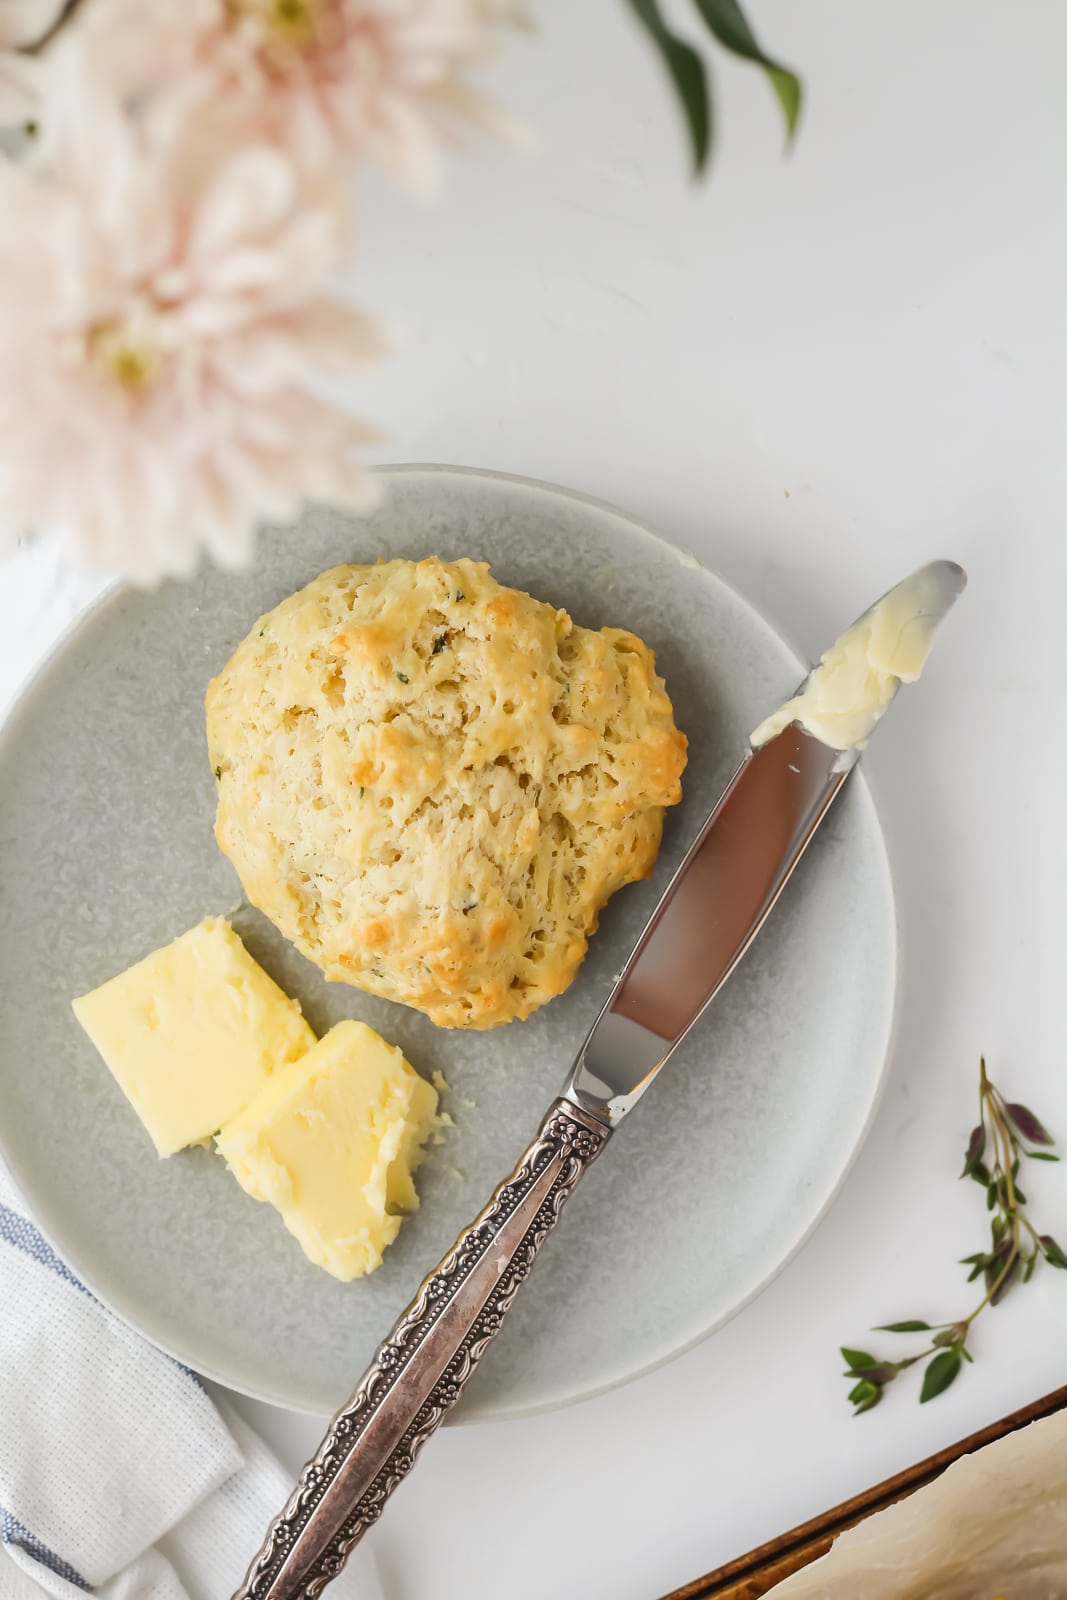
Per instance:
{"type": "Point", "coordinates": [22, 23]}
{"type": "Point", "coordinates": [330, 79]}
{"type": "Point", "coordinates": [162, 332]}
{"type": "Point", "coordinates": [17, 90]}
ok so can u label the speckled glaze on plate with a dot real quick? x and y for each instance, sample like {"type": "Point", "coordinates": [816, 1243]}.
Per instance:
{"type": "Point", "coordinates": [106, 851]}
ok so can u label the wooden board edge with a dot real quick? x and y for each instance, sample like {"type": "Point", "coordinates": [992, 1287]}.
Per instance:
{"type": "Point", "coordinates": [754, 1574]}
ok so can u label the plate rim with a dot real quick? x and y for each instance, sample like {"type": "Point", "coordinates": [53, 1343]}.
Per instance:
{"type": "Point", "coordinates": [43, 1217]}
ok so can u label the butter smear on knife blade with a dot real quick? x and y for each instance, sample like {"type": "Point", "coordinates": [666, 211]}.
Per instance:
{"type": "Point", "coordinates": [851, 688]}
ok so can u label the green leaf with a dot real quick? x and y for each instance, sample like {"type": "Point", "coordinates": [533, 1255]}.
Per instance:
{"type": "Point", "coordinates": [1031, 1127]}
{"type": "Point", "coordinates": [945, 1338]}
{"type": "Point", "coordinates": [864, 1396]}
{"type": "Point", "coordinates": [995, 1265]}
{"type": "Point", "coordinates": [858, 1359]}
{"type": "Point", "coordinates": [980, 1173]}
{"type": "Point", "coordinates": [990, 1197]}
{"type": "Point", "coordinates": [1040, 1155]}
{"type": "Point", "coordinates": [942, 1371]}
{"type": "Point", "coordinates": [975, 1150]}
{"type": "Point", "coordinates": [878, 1372]}
{"type": "Point", "coordinates": [687, 74]}
{"type": "Point", "coordinates": [1020, 1198]}
{"type": "Point", "coordinates": [903, 1327]}
{"type": "Point", "coordinates": [1029, 1263]}
{"type": "Point", "coordinates": [1006, 1282]}
{"type": "Point", "coordinates": [1053, 1254]}
{"type": "Point", "coordinates": [727, 22]}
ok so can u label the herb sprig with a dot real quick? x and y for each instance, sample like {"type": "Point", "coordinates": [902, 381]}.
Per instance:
{"type": "Point", "coordinates": [726, 23]}
{"type": "Point", "coordinates": [1006, 1133]}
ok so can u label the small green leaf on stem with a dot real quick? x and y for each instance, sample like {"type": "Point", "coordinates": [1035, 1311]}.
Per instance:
{"type": "Point", "coordinates": [903, 1327]}
{"type": "Point", "coordinates": [1053, 1254]}
{"type": "Point", "coordinates": [687, 74]}
{"type": "Point", "coordinates": [726, 20]}
{"type": "Point", "coordinates": [881, 1372]}
{"type": "Point", "coordinates": [1005, 1281]}
{"type": "Point", "coordinates": [1028, 1125]}
{"type": "Point", "coordinates": [864, 1396]}
{"type": "Point", "coordinates": [857, 1359]}
{"type": "Point", "coordinates": [942, 1371]}
{"type": "Point", "coordinates": [1040, 1155]}
{"type": "Point", "coordinates": [975, 1152]}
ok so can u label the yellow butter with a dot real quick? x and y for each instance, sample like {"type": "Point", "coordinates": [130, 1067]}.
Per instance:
{"type": "Point", "coordinates": [852, 687]}
{"type": "Point", "coordinates": [192, 1032]}
{"type": "Point", "coordinates": [332, 1141]}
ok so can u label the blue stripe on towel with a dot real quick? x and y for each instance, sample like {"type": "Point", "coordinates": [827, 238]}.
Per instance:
{"type": "Point", "coordinates": [20, 1232]}
{"type": "Point", "coordinates": [12, 1532]}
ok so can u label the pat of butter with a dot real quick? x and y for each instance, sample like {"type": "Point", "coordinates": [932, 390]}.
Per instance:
{"type": "Point", "coordinates": [851, 688]}
{"type": "Point", "coordinates": [192, 1032]}
{"type": "Point", "coordinates": [332, 1141]}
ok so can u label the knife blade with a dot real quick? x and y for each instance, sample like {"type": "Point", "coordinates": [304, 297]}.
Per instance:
{"type": "Point", "coordinates": [728, 882]}
{"type": "Point", "coordinates": [711, 911]}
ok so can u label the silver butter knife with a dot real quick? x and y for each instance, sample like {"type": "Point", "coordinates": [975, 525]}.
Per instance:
{"type": "Point", "coordinates": [711, 911]}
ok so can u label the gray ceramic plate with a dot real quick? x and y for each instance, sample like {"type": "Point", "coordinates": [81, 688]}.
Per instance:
{"type": "Point", "coordinates": [106, 851]}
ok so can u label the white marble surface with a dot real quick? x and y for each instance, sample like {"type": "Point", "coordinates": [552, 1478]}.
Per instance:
{"type": "Point", "coordinates": [814, 373]}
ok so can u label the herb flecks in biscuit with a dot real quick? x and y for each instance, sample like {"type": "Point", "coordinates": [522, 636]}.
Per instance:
{"type": "Point", "coordinates": [431, 783]}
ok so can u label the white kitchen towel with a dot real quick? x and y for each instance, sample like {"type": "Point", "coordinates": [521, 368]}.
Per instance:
{"type": "Point", "coordinates": [119, 1475]}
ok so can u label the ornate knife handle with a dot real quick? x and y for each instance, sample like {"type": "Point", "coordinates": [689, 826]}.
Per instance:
{"type": "Point", "coordinates": [419, 1372]}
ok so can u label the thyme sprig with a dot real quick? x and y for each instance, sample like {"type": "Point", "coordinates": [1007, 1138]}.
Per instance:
{"type": "Point", "coordinates": [1007, 1132]}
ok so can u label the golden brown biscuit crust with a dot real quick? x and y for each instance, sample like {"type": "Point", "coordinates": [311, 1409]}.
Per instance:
{"type": "Point", "coordinates": [431, 783]}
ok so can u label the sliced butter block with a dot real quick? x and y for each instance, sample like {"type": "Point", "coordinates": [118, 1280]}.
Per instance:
{"type": "Point", "coordinates": [332, 1141]}
{"type": "Point", "coordinates": [192, 1032]}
